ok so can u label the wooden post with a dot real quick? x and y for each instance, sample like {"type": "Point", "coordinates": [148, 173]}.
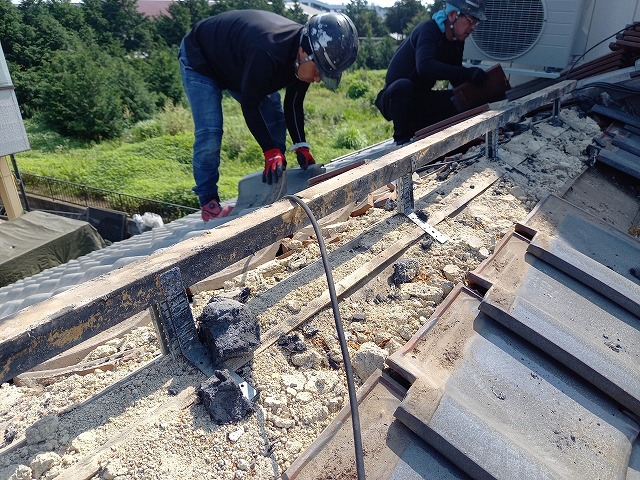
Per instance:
{"type": "Point", "coordinates": [9, 191]}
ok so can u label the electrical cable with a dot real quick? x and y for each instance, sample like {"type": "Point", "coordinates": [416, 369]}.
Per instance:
{"type": "Point", "coordinates": [353, 400]}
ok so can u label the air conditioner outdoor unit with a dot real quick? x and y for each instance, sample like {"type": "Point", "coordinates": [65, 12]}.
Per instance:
{"type": "Point", "coordinates": [535, 33]}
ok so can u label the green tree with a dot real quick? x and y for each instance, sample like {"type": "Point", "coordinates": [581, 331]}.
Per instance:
{"type": "Point", "coordinates": [367, 21]}
{"type": "Point", "coordinates": [226, 5]}
{"type": "Point", "coordinates": [81, 96]}
{"type": "Point", "coordinates": [419, 17]}
{"type": "Point", "coordinates": [10, 27]}
{"type": "Point", "coordinates": [181, 17]}
{"type": "Point", "coordinates": [375, 54]}
{"type": "Point", "coordinates": [40, 35]}
{"type": "Point", "coordinates": [278, 6]}
{"type": "Point", "coordinates": [296, 13]}
{"type": "Point", "coordinates": [68, 15]}
{"type": "Point", "coordinates": [33, 35]}
{"type": "Point", "coordinates": [120, 22]}
{"type": "Point", "coordinates": [433, 8]}
{"type": "Point", "coordinates": [138, 102]}
{"type": "Point", "coordinates": [402, 13]}
{"type": "Point", "coordinates": [161, 73]}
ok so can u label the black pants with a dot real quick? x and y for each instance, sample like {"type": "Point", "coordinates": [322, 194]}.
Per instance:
{"type": "Point", "coordinates": [412, 110]}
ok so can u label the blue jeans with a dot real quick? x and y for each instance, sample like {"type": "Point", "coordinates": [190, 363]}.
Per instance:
{"type": "Point", "coordinates": [205, 99]}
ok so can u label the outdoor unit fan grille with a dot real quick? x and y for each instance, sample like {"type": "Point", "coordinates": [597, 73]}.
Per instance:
{"type": "Point", "coordinates": [511, 29]}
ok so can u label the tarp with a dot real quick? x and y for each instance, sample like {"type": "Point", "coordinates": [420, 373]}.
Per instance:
{"type": "Point", "coordinates": [38, 240]}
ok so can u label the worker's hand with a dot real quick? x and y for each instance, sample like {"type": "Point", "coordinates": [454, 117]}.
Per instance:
{"type": "Point", "coordinates": [274, 165]}
{"type": "Point", "coordinates": [304, 157]}
{"type": "Point", "coordinates": [476, 75]}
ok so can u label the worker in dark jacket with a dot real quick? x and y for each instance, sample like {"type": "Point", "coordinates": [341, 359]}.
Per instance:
{"type": "Point", "coordinates": [431, 52]}
{"type": "Point", "coordinates": [252, 54]}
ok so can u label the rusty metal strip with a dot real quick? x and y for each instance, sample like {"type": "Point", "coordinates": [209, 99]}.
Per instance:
{"type": "Point", "coordinates": [438, 127]}
{"type": "Point", "coordinates": [333, 173]}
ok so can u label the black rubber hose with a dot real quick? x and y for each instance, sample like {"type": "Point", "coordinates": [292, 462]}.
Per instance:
{"type": "Point", "coordinates": [353, 400]}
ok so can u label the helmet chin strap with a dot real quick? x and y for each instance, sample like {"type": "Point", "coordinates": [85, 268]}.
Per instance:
{"type": "Point", "coordinates": [453, 35]}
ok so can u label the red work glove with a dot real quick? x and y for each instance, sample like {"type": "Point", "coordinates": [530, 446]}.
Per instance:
{"type": "Point", "coordinates": [304, 157]}
{"type": "Point", "coordinates": [274, 165]}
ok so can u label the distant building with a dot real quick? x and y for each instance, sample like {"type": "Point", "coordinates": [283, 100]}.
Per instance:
{"type": "Point", "coordinates": [153, 8]}
{"type": "Point", "coordinates": [323, 7]}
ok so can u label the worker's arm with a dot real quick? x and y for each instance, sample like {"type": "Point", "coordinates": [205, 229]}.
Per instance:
{"type": "Point", "coordinates": [294, 115]}
{"type": "Point", "coordinates": [294, 111]}
{"type": "Point", "coordinates": [436, 58]}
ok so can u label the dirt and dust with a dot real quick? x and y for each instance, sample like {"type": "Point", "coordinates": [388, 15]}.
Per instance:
{"type": "Point", "coordinates": [150, 425]}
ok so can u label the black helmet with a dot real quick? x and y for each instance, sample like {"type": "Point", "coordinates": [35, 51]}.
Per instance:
{"type": "Point", "coordinates": [475, 8]}
{"type": "Point", "coordinates": [334, 43]}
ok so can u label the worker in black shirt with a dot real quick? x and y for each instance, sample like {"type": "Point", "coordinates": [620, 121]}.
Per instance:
{"type": "Point", "coordinates": [431, 52]}
{"type": "Point", "coordinates": [252, 54]}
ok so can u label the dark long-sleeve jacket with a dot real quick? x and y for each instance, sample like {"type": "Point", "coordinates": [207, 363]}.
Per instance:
{"type": "Point", "coordinates": [426, 56]}
{"type": "Point", "coordinates": [252, 52]}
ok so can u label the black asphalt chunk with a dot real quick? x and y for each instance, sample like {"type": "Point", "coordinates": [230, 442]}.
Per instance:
{"type": "Point", "coordinates": [229, 329]}
{"type": "Point", "coordinates": [223, 399]}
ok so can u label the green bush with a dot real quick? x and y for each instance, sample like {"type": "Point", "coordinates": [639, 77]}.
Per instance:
{"type": "Point", "coordinates": [350, 137]}
{"type": "Point", "coordinates": [251, 154]}
{"type": "Point", "coordinates": [357, 90]}
{"type": "Point", "coordinates": [91, 95]}
{"type": "Point", "coordinates": [175, 119]}
{"type": "Point", "coordinates": [146, 129]}
{"type": "Point", "coordinates": [43, 139]}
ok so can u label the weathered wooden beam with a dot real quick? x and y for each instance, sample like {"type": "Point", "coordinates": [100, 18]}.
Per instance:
{"type": "Point", "coordinates": [37, 333]}
{"type": "Point", "coordinates": [9, 191]}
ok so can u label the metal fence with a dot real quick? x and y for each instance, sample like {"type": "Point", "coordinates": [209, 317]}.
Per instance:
{"type": "Point", "coordinates": [83, 195]}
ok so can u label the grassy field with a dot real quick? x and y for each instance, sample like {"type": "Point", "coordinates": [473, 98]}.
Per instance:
{"type": "Point", "coordinates": [153, 159]}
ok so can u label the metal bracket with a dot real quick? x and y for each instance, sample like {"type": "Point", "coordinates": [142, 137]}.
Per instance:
{"type": "Point", "coordinates": [177, 330]}
{"type": "Point", "coordinates": [405, 194]}
{"type": "Point", "coordinates": [491, 145]}
{"type": "Point", "coordinates": [435, 234]}
{"type": "Point", "coordinates": [556, 121]}
{"type": "Point", "coordinates": [406, 207]}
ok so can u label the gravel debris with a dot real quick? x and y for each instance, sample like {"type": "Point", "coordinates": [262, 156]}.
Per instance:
{"type": "Point", "coordinates": [152, 424]}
